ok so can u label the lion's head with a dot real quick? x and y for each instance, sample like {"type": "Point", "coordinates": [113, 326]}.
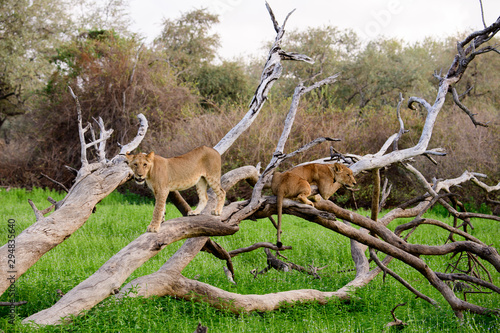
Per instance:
{"type": "Point", "coordinates": [343, 175]}
{"type": "Point", "coordinates": [140, 165]}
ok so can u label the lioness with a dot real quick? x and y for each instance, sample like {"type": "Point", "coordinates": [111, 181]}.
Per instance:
{"type": "Point", "coordinates": [200, 167]}
{"type": "Point", "coordinates": [296, 183]}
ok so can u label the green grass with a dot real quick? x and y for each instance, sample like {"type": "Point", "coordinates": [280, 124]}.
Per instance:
{"type": "Point", "coordinates": [118, 221]}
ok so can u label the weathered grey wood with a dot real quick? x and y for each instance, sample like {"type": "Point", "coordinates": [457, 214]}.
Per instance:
{"type": "Point", "coordinates": [271, 72]}
{"type": "Point", "coordinates": [176, 285]}
{"type": "Point", "coordinates": [109, 278]}
{"type": "Point", "coordinates": [72, 212]}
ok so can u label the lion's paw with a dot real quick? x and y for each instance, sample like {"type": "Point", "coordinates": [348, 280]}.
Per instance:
{"type": "Point", "coordinates": [152, 229]}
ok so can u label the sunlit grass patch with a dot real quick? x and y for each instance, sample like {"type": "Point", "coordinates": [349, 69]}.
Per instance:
{"type": "Point", "coordinates": [118, 221]}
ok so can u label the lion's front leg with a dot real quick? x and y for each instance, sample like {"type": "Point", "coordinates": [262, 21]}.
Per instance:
{"type": "Point", "coordinates": [326, 190]}
{"type": "Point", "coordinates": [159, 211]}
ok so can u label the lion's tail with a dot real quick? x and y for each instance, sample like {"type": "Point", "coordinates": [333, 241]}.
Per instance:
{"type": "Point", "coordinates": [279, 208]}
{"type": "Point", "coordinates": [275, 187]}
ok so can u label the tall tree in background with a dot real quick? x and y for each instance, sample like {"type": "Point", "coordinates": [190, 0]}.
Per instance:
{"type": "Point", "coordinates": [187, 42]}
{"type": "Point", "coordinates": [29, 33]}
{"type": "Point", "coordinates": [329, 46]}
{"type": "Point", "coordinates": [102, 15]}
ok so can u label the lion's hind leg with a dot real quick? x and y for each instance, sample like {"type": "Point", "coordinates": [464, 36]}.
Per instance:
{"type": "Point", "coordinates": [303, 197]}
{"type": "Point", "coordinates": [201, 189]}
{"type": "Point", "coordinates": [214, 183]}
{"type": "Point", "coordinates": [304, 190]}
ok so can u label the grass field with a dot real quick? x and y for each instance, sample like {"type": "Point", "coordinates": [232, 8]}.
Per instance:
{"type": "Point", "coordinates": [120, 219]}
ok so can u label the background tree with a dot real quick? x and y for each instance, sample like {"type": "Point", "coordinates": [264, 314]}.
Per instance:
{"type": "Point", "coordinates": [224, 83]}
{"type": "Point", "coordinates": [102, 15]}
{"type": "Point", "coordinates": [29, 32]}
{"type": "Point", "coordinates": [330, 47]}
{"type": "Point", "coordinates": [187, 42]}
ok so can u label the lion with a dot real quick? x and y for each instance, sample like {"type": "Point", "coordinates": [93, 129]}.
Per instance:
{"type": "Point", "coordinates": [200, 167]}
{"type": "Point", "coordinates": [296, 184]}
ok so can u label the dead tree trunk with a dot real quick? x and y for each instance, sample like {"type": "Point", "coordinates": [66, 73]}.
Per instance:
{"type": "Point", "coordinates": [93, 183]}
{"type": "Point", "coordinates": [373, 233]}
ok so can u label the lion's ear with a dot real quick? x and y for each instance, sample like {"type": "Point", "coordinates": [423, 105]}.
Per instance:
{"type": "Point", "coordinates": [151, 155]}
{"type": "Point", "coordinates": [337, 167]}
{"type": "Point", "coordinates": [129, 157]}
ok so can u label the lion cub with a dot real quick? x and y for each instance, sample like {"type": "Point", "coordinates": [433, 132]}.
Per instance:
{"type": "Point", "coordinates": [200, 167]}
{"type": "Point", "coordinates": [296, 183]}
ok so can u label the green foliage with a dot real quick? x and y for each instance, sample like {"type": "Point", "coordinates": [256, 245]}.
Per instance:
{"type": "Point", "coordinates": [29, 30]}
{"type": "Point", "coordinates": [118, 221]}
{"type": "Point", "coordinates": [224, 83]}
{"type": "Point", "coordinates": [102, 15]}
{"type": "Point", "coordinates": [187, 42]}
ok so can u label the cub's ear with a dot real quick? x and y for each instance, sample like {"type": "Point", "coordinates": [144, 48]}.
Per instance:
{"type": "Point", "coordinates": [337, 167]}
{"type": "Point", "coordinates": [129, 157]}
{"type": "Point", "coordinates": [151, 155]}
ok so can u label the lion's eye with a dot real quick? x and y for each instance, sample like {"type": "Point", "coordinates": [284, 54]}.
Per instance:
{"type": "Point", "coordinates": [145, 165]}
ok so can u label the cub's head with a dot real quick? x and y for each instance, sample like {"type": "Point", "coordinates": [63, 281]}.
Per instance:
{"type": "Point", "coordinates": [140, 165]}
{"type": "Point", "coordinates": [343, 175]}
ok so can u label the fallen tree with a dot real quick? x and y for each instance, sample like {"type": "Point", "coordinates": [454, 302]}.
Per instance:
{"type": "Point", "coordinates": [96, 180]}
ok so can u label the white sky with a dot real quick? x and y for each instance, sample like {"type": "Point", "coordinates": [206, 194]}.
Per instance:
{"type": "Point", "coordinates": [245, 25]}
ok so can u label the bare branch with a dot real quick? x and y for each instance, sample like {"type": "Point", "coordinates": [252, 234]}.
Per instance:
{"type": "Point", "coordinates": [271, 72]}
{"type": "Point", "coordinates": [375, 194]}
{"type": "Point", "coordinates": [39, 213]}
{"type": "Point", "coordinates": [468, 278]}
{"type": "Point", "coordinates": [396, 322]}
{"type": "Point", "coordinates": [55, 182]}
{"type": "Point", "coordinates": [420, 101]}
{"type": "Point", "coordinates": [374, 257]}
{"type": "Point", "coordinates": [13, 303]}
{"type": "Point", "coordinates": [141, 132]}
{"type": "Point", "coordinates": [465, 109]}
{"type": "Point", "coordinates": [81, 130]}
{"type": "Point", "coordinates": [485, 187]}
{"type": "Point", "coordinates": [386, 191]}
{"type": "Point", "coordinates": [401, 124]}
{"type": "Point", "coordinates": [416, 222]}
{"type": "Point", "coordinates": [256, 246]}
{"type": "Point", "coordinates": [116, 270]}
{"type": "Point", "coordinates": [273, 18]}
{"type": "Point", "coordinates": [482, 12]}
{"type": "Point", "coordinates": [103, 136]}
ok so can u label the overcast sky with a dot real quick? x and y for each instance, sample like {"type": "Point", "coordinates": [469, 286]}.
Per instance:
{"type": "Point", "coordinates": [245, 24]}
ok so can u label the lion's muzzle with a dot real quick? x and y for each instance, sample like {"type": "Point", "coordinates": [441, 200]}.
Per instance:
{"type": "Point", "coordinates": [139, 180]}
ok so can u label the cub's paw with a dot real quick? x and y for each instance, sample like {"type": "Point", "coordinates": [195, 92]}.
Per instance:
{"type": "Point", "coordinates": [216, 213]}
{"type": "Point", "coordinates": [152, 228]}
{"type": "Point", "coordinates": [192, 213]}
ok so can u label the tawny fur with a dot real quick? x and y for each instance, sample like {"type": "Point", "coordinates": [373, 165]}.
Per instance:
{"type": "Point", "coordinates": [296, 184]}
{"type": "Point", "coordinates": [200, 167]}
